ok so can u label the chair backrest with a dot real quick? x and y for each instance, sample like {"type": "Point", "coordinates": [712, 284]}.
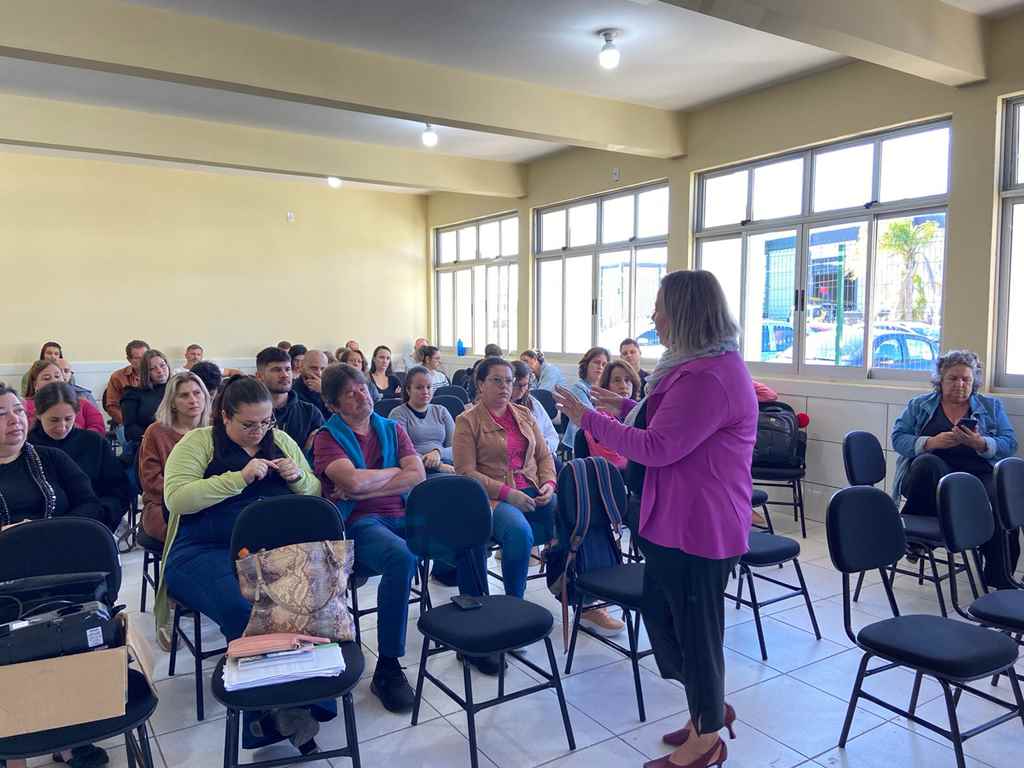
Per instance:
{"type": "Point", "coordinates": [59, 546]}
{"type": "Point", "coordinates": [282, 520]}
{"type": "Point", "coordinates": [453, 405]}
{"type": "Point", "coordinates": [400, 375]}
{"type": "Point", "coordinates": [546, 399]}
{"type": "Point", "coordinates": [864, 530]}
{"type": "Point", "coordinates": [1009, 479]}
{"type": "Point", "coordinates": [965, 515]}
{"type": "Point", "coordinates": [452, 390]}
{"type": "Point", "coordinates": [461, 377]}
{"type": "Point", "coordinates": [386, 405]}
{"type": "Point", "coordinates": [580, 446]}
{"type": "Point", "coordinates": [863, 458]}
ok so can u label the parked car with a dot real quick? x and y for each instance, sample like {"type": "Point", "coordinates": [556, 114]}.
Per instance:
{"type": "Point", "coordinates": [899, 350]}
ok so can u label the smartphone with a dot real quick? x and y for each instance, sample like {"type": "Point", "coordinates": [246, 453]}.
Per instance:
{"type": "Point", "coordinates": [467, 602]}
{"type": "Point", "coordinates": [968, 423]}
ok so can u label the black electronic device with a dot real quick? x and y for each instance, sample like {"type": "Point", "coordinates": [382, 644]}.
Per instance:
{"type": "Point", "coordinates": [467, 602]}
{"type": "Point", "coordinates": [70, 629]}
{"type": "Point", "coordinates": [968, 423]}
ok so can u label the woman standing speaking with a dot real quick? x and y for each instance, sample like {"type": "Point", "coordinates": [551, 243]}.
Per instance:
{"type": "Point", "coordinates": [701, 424]}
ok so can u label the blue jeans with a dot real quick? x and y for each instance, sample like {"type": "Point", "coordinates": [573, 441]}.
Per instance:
{"type": "Point", "coordinates": [381, 549]}
{"type": "Point", "coordinates": [516, 531]}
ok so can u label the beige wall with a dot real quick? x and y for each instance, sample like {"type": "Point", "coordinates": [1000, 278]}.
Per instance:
{"type": "Point", "coordinates": [96, 252]}
{"type": "Point", "coordinates": [845, 101]}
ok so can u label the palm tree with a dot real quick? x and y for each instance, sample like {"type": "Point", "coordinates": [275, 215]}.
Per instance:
{"type": "Point", "coordinates": [909, 241]}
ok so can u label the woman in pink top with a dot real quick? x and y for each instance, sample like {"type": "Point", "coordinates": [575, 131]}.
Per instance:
{"type": "Point", "coordinates": [701, 417]}
{"type": "Point", "coordinates": [45, 372]}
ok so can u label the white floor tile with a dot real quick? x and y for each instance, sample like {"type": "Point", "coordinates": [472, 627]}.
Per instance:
{"type": "Point", "coordinates": [891, 745]}
{"type": "Point", "coordinates": [613, 753]}
{"type": "Point", "coordinates": [448, 669]}
{"type": "Point", "coordinates": [435, 744]}
{"type": "Point", "coordinates": [608, 695]}
{"type": "Point", "coordinates": [788, 647]}
{"type": "Point", "coordinates": [177, 707]}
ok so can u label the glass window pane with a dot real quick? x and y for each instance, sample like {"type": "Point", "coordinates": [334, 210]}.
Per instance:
{"type": "Point", "coordinates": [552, 230]}
{"type": "Point", "coordinates": [510, 236]}
{"type": "Point", "coordinates": [842, 177]}
{"type": "Point", "coordinates": [583, 225]}
{"type": "Point", "coordinates": [480, 310]}
{"type": "Point", "coordinates": [725, 199]}
{"type": "Point", "coordinates": [445, 309]}
{"type": "Point", "coordinates": [513, 308]}
{"type": "Point", "coordinates": [493, 303]}
{"type": "Point", "coordinates": [467, 243]}
{"type": "Point", "coordinates": [779, 189]}
{"type": "Point", "coordinates": [1020, 143]}
{"type": "Point", "coordinates": [578, 316]}
{"type": "Point", "coordinates": [915, 165]}
{"type": "Point", "coordinates": [768, 299]}
{"type": "Point", "coordinates": [549, 332]}
{"type": "Point", "coordinates": [1015, 314]}
{"type": "Point", "coordinates": [464, 307]}
{"type": "Point", "coordinates": [652, 213]}
{"type": "Point", "coordinates": [724, 258]}
{"type": "Point", "coordinates": [447, 247]}
{"type": "Point", "coordinates": [613, 298]}
{"type": "Point", "coordinates": [651, 266]}
{"type": "Point", "coordinates": [836, 270]}
{"type": "Point", "coordinates": [907, 290]}
{"type": "Point", "coordinates": [490, 234]}
{"type": "Point", "coordinates": [617, 219]}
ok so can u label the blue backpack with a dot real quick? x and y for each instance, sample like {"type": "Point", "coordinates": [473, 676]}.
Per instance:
{"type": "Point", "coordinates": [588, 522]}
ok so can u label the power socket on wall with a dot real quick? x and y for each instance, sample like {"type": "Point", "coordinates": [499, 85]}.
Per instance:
{"type": "Point", "coordinates": [616, 175]}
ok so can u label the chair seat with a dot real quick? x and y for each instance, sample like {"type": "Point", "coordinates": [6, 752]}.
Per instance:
{"type": "Point", "coordinates": [948, 647]}
{"type": "Point", "coordinates": [923, 528]}
{"type": "Point", "coordinates": [620, 584]}
{"type": "Point", "coordinates": [148, 543]}
{"type": "Point", "coordinates": [141, 703]}
{"type": "Point", "coordinates": [769, 549]}
{"type": "Point", "coordinates": [503, 623]}
{"type": "Point", "coordinates": [296, 694]}
{"type": "Point", "coordinates": [758, 498]}
{"type": "Point", "coordinates": [1004, 607]}
{"type": "Point", "coordinates": [777, 473]}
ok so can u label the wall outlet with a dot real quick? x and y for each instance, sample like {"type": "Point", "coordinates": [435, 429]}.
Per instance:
{"type": "Point", "coordinates": [616, 175]}
{"type": "Point", "coordinates": [291, 217]}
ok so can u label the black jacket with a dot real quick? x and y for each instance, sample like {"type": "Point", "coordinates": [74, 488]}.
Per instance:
{"type": "Point", "coordinates": [72, 489]}
{"type": "Point", "coordinates": [139, 408]}
{"type": "Point", "coordinates": [298, 418]}
{"type": "Point", "coordinates": [313, 398]}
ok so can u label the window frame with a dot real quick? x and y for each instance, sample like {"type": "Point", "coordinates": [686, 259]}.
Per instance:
{"type": "Point", "coordinates": [871, 212]}
{"type": "Point", "coordinates": [1011, 194]}
{"type": "Point", "coordinates": [594, 250]}
{"type": "Point", "coordinates": [472, 265]}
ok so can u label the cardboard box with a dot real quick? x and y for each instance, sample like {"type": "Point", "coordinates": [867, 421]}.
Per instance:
{"type": "Point", "coordinates": [67, 690]}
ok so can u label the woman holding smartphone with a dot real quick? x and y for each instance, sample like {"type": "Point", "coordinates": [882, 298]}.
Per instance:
{"type": "Point", "coordinates": [955, 429]}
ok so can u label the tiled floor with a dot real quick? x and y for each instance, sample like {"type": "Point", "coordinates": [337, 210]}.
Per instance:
{"type": "Point", "coordinates": [790, 708]}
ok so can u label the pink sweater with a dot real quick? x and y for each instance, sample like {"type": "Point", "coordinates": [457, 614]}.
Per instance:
{"type": "Point", "coordinates": [86, 418]}
{"type": "Point", "coordinates": [698, 446]}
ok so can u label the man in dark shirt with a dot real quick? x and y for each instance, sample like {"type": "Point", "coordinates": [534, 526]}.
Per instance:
{"type": "Point", "coordinates": [307, 386]}
{"type": "Point", "coordinates": [629, 351]}
{"type": "Point", "coordinates": [296, 417]}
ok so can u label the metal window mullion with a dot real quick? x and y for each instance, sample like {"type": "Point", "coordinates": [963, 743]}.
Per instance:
{"type": "Point", "coordinates": [799, 315]}
{"type": "Point", "coordinates": [876, 173]}
{"type": "Point", "coordinates": [750, 195]}
{"type": "Point", "coordinates": [869, 295]}
{"type": "Point", "coordinates": [744, 241]}
{"type": "Point", "coordinates": [1002, 377]}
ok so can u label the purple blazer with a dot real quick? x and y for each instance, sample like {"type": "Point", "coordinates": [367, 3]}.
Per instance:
{"type": "Point", "coordinates": [698, 446]}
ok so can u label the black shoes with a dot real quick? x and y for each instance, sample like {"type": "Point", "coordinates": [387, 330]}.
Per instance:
{"type": "Point", "coordinates": [390, 685]}
{"type": "Point", "coordinates": [488, 665]}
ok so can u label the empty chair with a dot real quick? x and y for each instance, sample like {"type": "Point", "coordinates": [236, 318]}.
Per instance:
{"type": "Point", "coordinates": [547, 399]}
{"type": "Point", "coordinates": [453, 405]}
{"type": "Point", "coordinates": [453, 390]}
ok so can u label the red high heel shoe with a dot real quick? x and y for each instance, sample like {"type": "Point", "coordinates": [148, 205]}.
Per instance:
{"type": "Point", "coordinates": [713, 758]}
{"type": "Point", "coordinates": [678, 738]}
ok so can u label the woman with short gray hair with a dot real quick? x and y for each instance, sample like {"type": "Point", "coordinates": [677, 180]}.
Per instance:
{"type": "Point", "coordinates": [701, 424]}
{"type": "Point", "coordinates": [954, 428]}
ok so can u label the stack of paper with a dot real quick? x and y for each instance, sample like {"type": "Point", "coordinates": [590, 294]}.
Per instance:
{"type": "Point", "coordinates": [256, 671]}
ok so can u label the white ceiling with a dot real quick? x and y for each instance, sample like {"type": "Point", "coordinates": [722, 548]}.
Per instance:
{"type": "Point", "coordinates": [987, 7]}
{"type": "Point", "coordinates": [671, 58]}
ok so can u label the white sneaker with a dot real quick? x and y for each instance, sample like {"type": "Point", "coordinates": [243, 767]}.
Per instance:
{"type": "Point", "coordinates": [600, 621]}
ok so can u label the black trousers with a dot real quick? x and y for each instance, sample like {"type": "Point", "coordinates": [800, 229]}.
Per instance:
{"type": "Point", "coordinates": [919, 488]}
{"type": "Point", "coordinates": [684, 612]}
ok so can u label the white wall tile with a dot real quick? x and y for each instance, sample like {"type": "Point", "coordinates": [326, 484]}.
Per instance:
{"type": "Point", "coordinates": [825, 463]}
{"type": "Point", "coordinates": [832, 419]}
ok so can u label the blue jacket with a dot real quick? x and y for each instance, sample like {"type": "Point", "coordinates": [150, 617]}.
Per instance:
{"type": "Point", "coordinates": [550, 377]}
{"type": "Point", "coordinates": [993, 426]}
{"type": "Point", "coordinates": [582, 391]}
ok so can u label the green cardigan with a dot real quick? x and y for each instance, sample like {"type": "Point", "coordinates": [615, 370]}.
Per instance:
{"type": "Point", "coordinates": [186, 491]}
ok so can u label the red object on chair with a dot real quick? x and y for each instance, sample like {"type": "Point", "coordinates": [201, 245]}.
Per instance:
{"type": "Point", "coordinates": [802, 420]}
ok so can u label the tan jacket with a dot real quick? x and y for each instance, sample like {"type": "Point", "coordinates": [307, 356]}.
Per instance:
{"type": "Point", "coordinates": [120, 380]}
{"type": "Point", "coordinates": [480, 450]}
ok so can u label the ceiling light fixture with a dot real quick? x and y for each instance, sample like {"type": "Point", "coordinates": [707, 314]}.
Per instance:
{"type": "Point", "coordinates": [609, 55]}
{"type": "Point", "coordinates": [334, 182]}
{"type": "Point", "coordinates": [429, 136]}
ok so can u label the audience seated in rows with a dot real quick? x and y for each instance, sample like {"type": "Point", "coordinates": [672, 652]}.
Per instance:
{"type": "Point", "coordinates": [412, 359]}
{"type": "Point", "coordinates": [367, 464]}
{"type": "Point", "coordinates": [84, 393]}
{"type": "Point", "coordinates": [618, 377]}
{"type": "Point", "coordinates": [51, 351]}
{"type": "Point", "coordinates": [193, 355]}
{"type": "Point", "coordinates": [629, 352]}
{"type": "Point", "coordinates": [139, 404]}
{"type": "Point", "coordinates": [355, 358]}
{"type": "Point", "coordinates": [590, 368]}
{"type": "Point", "coordinates": [307, 387]}
{"type": "Point", "coordinates": [295, 416]}
{"type": "Point", "coordinates": [37, 482]}
{"type": "Point", "coordinates": [212, 474]}
{"type": "Point", "coordinates": [429, 426]}
{"type": "Point", "coordinates": [430, 358]}
{"type": "Point", "coordinates": [57, 407]}
{"type": "Point", "coordinates": [185, 406]}
{"type": "Point", "coordinates": [382, 378]}
{"type": "Point", "coordinates": [490, 350]}
{"type": "Point", "coordinates": [298, 355]}
{"type": "Point", "coordinates": [211, 376]}
{"type": "Point", "coordinates": [123, 378]}
{"type": "Point", "coordinates": [41, 374]}
{"type": "Point", "coordinates": [547, 375]}
{"type": "Point", "coordinates": [932, 442]}
{"type": "Point", "coordinates": [521, 396]}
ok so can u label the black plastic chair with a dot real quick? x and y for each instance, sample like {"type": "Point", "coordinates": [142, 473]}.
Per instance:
{"type": "Point", "coordinates": [1009, 479]}
{"type": "Point", "coordinates": [453, 405]}
{"type": "Point", "coordinates": [268, 524]}
{"type": "Point", "coordinates": [864, 463]}
{"type": "Point", "coordinates": [865, 533]}
{"type": "Point", "coordinates": [65, 546]}
{"type": "Point", "coordinates": [385, 406]}
{"type": "Point", "coordinates": [461, 378]}
{"type": "Point", "coordinates": [446, 516]}
{"type": "Point", "coordinates": [785, 477]}
{"type": "Point", "coordinates": [400, 375]}
{"type": "Point", "coordinates": [452, 390]}
{"type": "Point", "coordinates": [546, 399]}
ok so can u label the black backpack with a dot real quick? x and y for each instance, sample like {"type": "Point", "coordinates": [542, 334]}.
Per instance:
{"type": "Point", "coordinates": [780, 441]}
{"type": "Point", "coordinates": [591, 499]}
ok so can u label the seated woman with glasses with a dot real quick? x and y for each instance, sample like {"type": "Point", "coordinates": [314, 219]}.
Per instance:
{"type": "Point", "coordinates": [954, 428]}
{"type": "Point", "coordinates": [429, 426]}
{"type": "Point", "coordinates": [521, 396]}
{"type": "Point", "coordinates": [212, 474]}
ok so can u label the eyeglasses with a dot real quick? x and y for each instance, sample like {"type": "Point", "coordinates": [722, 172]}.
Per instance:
{"type": "Point", "coordinates": [522, 384]}
{"type": "Point", "coordinates": [499, 382]}
{"type": "Point", "coordinates": [258, 426]}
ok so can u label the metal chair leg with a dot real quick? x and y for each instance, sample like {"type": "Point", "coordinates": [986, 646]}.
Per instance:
{"type": "Point", "coordinates": [854, 698]}
{"type": "Point", "coordinates": [577, 613]}
{"type": "Point", "coordinates": [351, 735]}
{"type": "Point", "coordinates": [860, 583]}
{"type": "Point", "coordinates": [633, 630]}
{"type": "Point", "coordinates": [561, 694]}
{"type": "Point", "coordinates": [175, 629]}
{"type": "Point", "coordinates": [419, 680]}
{"type": "Point", "coordinates": [197, 658]}
{"type": "Point", "coordinates": [756, 608]}
{"type": "Point", "coordinates": [470, 713]}
{"type": "Point", "coordinates": [807, 597]}
{"type": "Point", "coordinates": [915, 693]}
{"type": "Point", "coordinates": [954, 725]}
{"type": "Point", "coordinates": [938, 583]}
